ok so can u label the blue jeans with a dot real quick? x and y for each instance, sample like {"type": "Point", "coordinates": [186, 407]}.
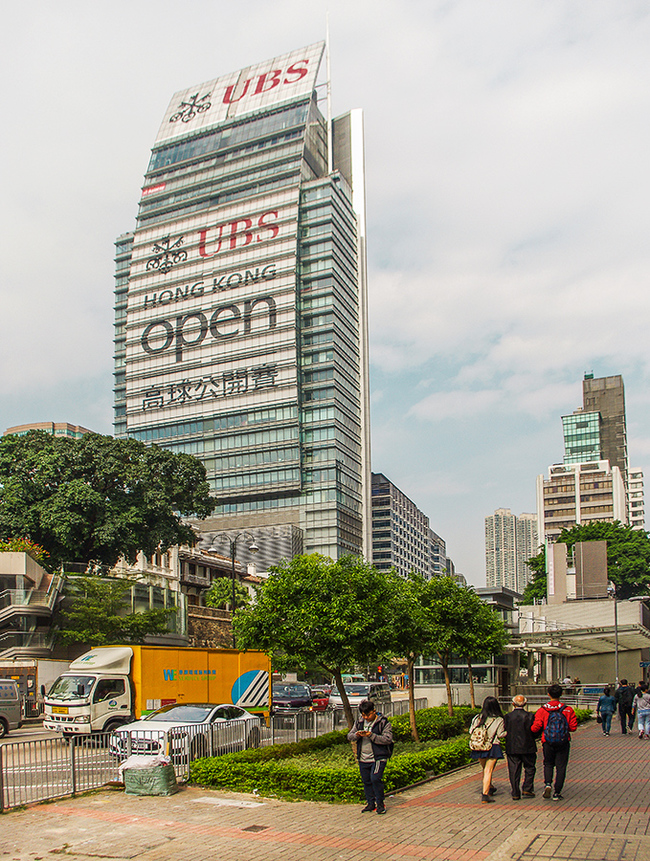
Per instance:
{"type": "Point", "coordinates": [643, 717]}
{"type": "Point", "coordinates": [607, 721]}
{"type": "Point", "coordinates": [372, 776]}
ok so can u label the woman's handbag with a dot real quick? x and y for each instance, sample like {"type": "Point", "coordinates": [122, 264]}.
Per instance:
{"type": "Point", "coordinates": [599, 719]}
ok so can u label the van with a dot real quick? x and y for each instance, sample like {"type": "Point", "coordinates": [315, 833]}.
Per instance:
{"type": "Point", "coordinates": [10, 716]}
{"type": "Point", "coordinates": [378, 692]}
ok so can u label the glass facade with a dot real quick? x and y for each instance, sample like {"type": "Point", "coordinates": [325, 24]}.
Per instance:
{"type": "Point", "coordinates": [240, 313]}
{"type": "Point", "coordinates": [581, 437]}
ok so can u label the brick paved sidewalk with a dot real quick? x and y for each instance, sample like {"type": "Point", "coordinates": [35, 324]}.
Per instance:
{"type": "Point", "coordinates": [604, 815]}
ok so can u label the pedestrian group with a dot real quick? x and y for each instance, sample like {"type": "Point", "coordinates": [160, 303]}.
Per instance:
{"type": "Point", "coordinates": [520, 729]}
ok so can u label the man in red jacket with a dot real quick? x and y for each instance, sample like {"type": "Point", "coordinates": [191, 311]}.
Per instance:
{"type": "Point", "coordinates": [557, 721]}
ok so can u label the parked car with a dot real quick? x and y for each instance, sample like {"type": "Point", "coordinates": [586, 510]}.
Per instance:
{"type": "Point", "coordinates": [291, 697]}
{"type": "Point", "coordinates": [10, 714]}
{"type": "Point", "coordinates": [194, 727]}
{"type": "Point", "coordinates": [378, 692]}
{"type": "Point", "coordinates": [320, 699]}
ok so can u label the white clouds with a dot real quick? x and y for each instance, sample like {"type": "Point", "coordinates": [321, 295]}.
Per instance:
{"type": "Point", "coordinates": [508, 188]}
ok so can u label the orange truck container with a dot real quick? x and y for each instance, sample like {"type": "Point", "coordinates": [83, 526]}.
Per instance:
{"type": "Point", "coordinates": [114, 685]}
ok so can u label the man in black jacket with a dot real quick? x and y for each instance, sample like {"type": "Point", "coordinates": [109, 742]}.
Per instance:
{"type": "Point", "coordinates": [374, 737]}
{"type": "Point", "coordinates": [624, 697]}
{"type": "Point", "coordinates": [521, 748]}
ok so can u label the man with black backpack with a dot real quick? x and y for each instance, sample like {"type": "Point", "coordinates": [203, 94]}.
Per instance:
{"type": "Point", "coordinates": [374, 737]}
{"type": "Point", "coordinates": [624, 697]}
{"type": "Point", "coordinates": [556, 721]}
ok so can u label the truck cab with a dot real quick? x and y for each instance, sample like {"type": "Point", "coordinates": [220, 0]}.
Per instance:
{"type": "Point", "coordinates": [93, 696]}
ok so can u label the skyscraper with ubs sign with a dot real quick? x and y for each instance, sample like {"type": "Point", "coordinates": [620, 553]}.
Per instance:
{"type": "Point", "coordinates": [241, 325]}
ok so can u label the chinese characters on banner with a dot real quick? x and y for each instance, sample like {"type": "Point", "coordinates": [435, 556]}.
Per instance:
{"type": "Point", "coordinates": [222, 385]}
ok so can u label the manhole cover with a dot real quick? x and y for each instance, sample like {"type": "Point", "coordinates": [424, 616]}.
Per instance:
{"type": "Point", "coordinates": [256, 828]}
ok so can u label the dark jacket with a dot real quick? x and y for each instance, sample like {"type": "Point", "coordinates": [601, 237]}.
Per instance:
{"type": "Point", "coordinates": [381, 737]}
{"type": "Point", "coordinates": [519, 738]}
{"type": "Point", "coordinates": [624, 696]}
{"type": "Point", "coordinates": [541, 717]}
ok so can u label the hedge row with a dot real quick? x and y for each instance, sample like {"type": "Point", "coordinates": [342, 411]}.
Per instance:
{"type": "Point", "coordinates": [274, 773]}
{"type": "Point", "coordinates": [435, 723]}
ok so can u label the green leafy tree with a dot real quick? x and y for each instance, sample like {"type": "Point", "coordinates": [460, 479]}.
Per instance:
{"type": "Point", "coordinates": [96, 613]}
{"type": "Point", "coordinates": [220, 594]}
{"type": "Point", "coordinates": [536, 587]}
{"type": "Point", "coordinates": [314, 611]}
{"type": "Point", "coordinates": [482, 635]}
{"type": "Point", "coordinates": [98, 498]}
{"type": "Point", "coordinates": [411, 630]}
{"type": "Point", "coordinates": [628, 558]}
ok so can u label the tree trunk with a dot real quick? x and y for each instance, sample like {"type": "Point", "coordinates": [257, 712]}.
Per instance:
{"type": "Point", "coordinates": [410, 664]}
{"type": "Point", "coordinates": [347, 708]}
{"type": "Point", "coordinates": [471, 683]}
{"type": "Point", "coordinates": [450, 705]}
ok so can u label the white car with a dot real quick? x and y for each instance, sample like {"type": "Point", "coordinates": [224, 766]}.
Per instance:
{"type": "Point", "coordinates": [194, 729]}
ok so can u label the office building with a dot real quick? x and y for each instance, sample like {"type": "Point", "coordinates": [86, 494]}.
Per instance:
{"type": "Point", "coordinates": [240, 312]}
{"type": "Point", "coordinates": [438, 554]}
{"type": "Point", "coordinates": [578, 493]}
{"type": "Point", "coordinates": [54, 428]}
{"type": "Point", "coordinates": [401, 537]}
{"type": "Point", "coordinates": [510, 541]}
{"type": "Point", "coordinates": [597, 431]}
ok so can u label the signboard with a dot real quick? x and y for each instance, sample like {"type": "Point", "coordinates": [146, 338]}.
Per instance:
{"type": "Point", "coordinates": [211, 312]}
{"type": "Point", "coordinates": [272, 82]}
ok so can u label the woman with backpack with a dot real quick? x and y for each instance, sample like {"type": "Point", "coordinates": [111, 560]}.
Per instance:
{"type": "Point", "coordinates": [485, 732]}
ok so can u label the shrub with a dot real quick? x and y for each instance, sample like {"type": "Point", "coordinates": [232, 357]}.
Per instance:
{"type": "Point", "coordinates": [434, 723]}
{"type": "Point", "coordinates": [274, 770]}
{"type": "Point", "coordinates": [583, 715]}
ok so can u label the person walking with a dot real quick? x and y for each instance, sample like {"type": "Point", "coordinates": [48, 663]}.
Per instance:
{"type": "Point", "coordinates": [624, 698]}
{"type": "Point", "coordinates": [641, 704]}
{"type": "Point", "coordinates": [485, 731]}
{"type": "Point", "coordinates": [556, 721]}
{"type": "Point", "coordinates": [373, 734]}
{"type": "Point", "coordinates": [521, 748]}
{"type": "Point", "coordinates": [606, 708]}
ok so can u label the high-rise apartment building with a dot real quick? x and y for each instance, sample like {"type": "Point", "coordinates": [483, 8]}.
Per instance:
{"type": "Point", "coordinates": [510, 541]}
{"type": "Point", "coordinates": [241, 324]}
{"type": "Point", "coordinates": [578, 493]}
{"type": "Point", "coordinates": [635, 495]}
{"type": "Point", "coordinates": [401, 537]}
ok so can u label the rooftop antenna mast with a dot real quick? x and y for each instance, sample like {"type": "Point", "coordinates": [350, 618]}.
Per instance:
{"type": "Point", "coordinates": [329, 97]}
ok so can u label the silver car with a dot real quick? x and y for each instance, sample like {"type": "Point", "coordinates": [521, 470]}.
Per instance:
{"type": "Point", "coordinates": [197, 729]}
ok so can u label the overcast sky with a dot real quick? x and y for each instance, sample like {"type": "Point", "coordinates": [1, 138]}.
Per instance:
{"type": "Point", "coordinates": [507, 148]}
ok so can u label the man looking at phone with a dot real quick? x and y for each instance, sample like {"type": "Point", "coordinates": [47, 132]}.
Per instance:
{"type": "Point", "coordinates": [374, 737]}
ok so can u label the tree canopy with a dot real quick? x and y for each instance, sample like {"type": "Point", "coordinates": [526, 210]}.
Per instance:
{"type": "Point", "coordinates": [97, 498]}
{"type": "Point", "coordinates": [314, 611]}
{"type": "Point", "coordinates": [220, 594]}
{"type": "Point", "coordinates": [628, 558]}
{"type": "Point", "coordinates": [96, 614]}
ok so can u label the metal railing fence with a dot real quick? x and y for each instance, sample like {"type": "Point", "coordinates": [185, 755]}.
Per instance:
{"type": "Point", "coordinates": [46, 769]}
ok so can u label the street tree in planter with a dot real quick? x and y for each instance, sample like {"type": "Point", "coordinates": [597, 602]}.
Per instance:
{"type": "Point", "coordinates": [482, 634]}
{"type": "Point", "coordinates": [314, 611]}
{"type": "Point", "coordinates": [97, 498]}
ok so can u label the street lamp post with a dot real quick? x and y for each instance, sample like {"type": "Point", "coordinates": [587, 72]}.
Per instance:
{"type": "Point", "coordinates": [611, 591]}
{"type": "Point", "coordinates": [233, 549]}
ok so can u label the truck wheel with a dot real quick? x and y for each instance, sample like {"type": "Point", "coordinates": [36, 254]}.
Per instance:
{"type": "Point", "coordinates": [254, 738]}
{"type": "Point", "coordinates": [4, 729]}
{"type": "Point", "coordinates": [198, 747]}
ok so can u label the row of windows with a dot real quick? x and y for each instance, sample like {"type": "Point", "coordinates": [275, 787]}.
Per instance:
{"type": "Point", "coordinates": [217, 423]}
{"type": "Point", "coordinates": [228, 137]}
{"type": "Point", "coordinates": [256, 479]}
{"type": "Point", "coordinates": [253, 458]}
{"type": "Point", "coordinates": [243, 440]}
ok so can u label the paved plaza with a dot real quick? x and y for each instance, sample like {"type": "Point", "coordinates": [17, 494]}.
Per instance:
{"type": "Point", "coordinates": [604, 817]}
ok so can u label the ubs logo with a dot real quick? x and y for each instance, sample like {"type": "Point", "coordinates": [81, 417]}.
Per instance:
{"type": "Point", "coordinates": [166, 255]}
{"type": "Point", "coordinates": [188, 110]}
